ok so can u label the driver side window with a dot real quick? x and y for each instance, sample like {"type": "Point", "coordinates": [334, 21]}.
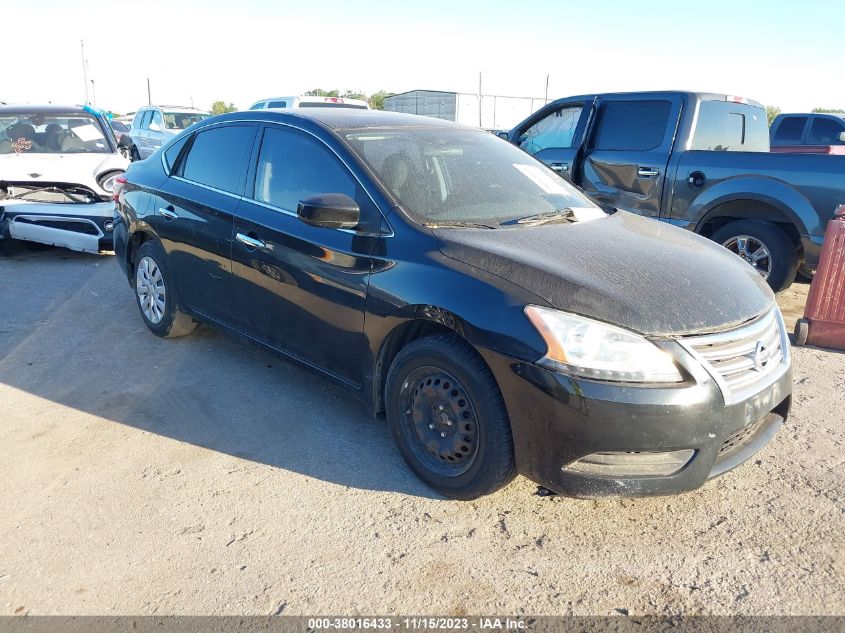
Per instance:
{"type": "Point", "coordinates": [555, 130]}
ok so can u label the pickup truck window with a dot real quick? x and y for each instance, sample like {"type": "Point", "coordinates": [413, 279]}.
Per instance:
{"type": "Point", "coordinates": [826, 132]}
{"type": "Point", "coordinates": [790, 129]}
{"type": "Point", "coordinates": [725, 126]}
{"type": "Point", "coordinates": [631, 125]}
{"type": "Point", "coordinates": [555, 130]}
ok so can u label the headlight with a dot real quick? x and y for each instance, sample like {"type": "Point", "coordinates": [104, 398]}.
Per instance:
{"type": "Point", "coordinates": [106, 181]}
{"type": "Point", "coordinates": [592, 349]}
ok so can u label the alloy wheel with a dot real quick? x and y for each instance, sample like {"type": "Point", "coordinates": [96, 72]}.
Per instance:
{"type": "Point", "coordinates": [753, 251]}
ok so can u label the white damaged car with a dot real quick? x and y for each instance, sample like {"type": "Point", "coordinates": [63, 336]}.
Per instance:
{"type": "Point", "coordinates": [58, 169]}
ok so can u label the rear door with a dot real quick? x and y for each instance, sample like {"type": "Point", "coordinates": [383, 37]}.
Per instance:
{"type": "Point", "coordinates": [193, 214]}
{"type": "Point", "coordinates": [627, 152]}
{"type": "Point", "coordinates": [790, 130]}
{"type": "Point", "coordinates": [554, 135]}
{"type": "Point", "coordinates": [299, 288]}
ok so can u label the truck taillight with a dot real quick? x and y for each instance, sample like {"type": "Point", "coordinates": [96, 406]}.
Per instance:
{"type": "Point", "coordinates": [119, 181]}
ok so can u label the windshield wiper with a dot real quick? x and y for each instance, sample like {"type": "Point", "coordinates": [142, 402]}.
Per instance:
{"type": "Point", "coordinates": [462, 225]}
{"type": "Point", "coordinates": [565, 214]}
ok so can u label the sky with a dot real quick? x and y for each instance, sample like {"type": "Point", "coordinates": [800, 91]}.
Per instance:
{"type": "Point", "coordinates": [787, 54]}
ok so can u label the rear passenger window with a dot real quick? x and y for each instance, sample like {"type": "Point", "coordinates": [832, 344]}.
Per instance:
{"type": "Point", "coordinates": [791, 129]}
{"type": "Point", "coordinates": [826, 132]}
{"type": "Point", "coordinates": [218, 157]}
{"type": "Point", "coordinates": [293, 166]}
{"type": "Point", "coordinates": [631, 125]}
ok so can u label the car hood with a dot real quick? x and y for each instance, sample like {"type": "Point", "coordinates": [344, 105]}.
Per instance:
{"type": "Point", "coordinates": [635, 272]}
{"type": "Point", "coordinates": [80, 169]}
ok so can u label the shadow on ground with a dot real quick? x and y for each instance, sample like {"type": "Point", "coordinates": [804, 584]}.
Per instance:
{"type": "Point", "coordinates": [70, 333]}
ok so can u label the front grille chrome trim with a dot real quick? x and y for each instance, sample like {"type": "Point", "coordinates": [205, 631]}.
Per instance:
{"type": "Point", "coordinates": [729, 356]}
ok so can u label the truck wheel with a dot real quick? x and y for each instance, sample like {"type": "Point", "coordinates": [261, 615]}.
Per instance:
{"type": "Point", "coordinates": [763, 245]}
{"type": "Point", "coordinates": [447, 417]}
{"type": "Point", "coordinates": [155, 294]}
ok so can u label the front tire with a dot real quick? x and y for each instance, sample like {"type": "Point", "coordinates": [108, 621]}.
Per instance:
{"type": "Point", "coordinates": [448, 419]}
{"type": "Point", "coordinates": [155, 294]}
{"type": "Point", "coordinates": [763, 245]}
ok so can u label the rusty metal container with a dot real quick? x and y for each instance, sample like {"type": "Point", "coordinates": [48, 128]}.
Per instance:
{"type": "Point", "coordinates": [824, 315]}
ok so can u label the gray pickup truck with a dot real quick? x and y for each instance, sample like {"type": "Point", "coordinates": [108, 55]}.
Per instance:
{"type": "Point", "coordinates": [698, 161]}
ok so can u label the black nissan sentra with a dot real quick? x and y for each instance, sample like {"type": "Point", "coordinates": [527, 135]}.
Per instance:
{"type": "Point", "coordinates": [498, 320]}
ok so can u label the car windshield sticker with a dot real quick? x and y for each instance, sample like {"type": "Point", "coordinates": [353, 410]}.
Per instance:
{"type": "Point", "coordinates": [87, 132]}
{"type": "Point", "coordinates": [21, 144]}
{"type": "Point", "coordinates": [546, 182]}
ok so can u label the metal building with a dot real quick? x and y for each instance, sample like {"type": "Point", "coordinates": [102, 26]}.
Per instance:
{"type": "Point", "coordinates": [493, 112]}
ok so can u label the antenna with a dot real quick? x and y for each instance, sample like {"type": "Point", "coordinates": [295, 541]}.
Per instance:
{"type": "Point", "coordinates": [84, 71]}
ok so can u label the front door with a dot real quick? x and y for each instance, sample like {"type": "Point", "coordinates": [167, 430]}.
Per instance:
{"type": "Point", "coordinates": [298, 288]}
{"type": "Point", "coordinates": [554, 136]}
{"type": "Point", "coordinates": [627, 152]}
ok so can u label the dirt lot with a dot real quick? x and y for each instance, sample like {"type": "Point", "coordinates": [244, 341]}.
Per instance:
{"type": "Point", "coordinates": [205, 476]}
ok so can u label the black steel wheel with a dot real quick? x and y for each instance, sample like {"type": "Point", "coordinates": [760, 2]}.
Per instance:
{"type": "Point", "coordinates": [448, 419]}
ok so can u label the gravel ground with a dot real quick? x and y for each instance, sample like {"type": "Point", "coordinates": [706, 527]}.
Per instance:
{"type": "Point", "coordinates": [205, 476]}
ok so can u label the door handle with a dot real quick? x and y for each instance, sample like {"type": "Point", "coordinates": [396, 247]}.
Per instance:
{"type": "Point", "coordinates": [169, 213]}
{"type": "Point", "coordinates": [559, 167]}
{"type": "Point", "coordinates": [647, 172]}
{"type": "Point", "coordinates": [249, 241]}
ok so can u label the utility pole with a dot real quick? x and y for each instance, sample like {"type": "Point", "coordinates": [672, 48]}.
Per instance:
{"type": "Point", "coordinates": [149, 98]}
{"type": "Point", "coordinates": [479, 98]}
{"type": "Point", "coordinates": [84, 70]}
{"type": "Point", "coordinates": [546, 100]}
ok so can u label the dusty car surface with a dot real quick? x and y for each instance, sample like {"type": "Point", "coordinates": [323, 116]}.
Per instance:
{"type": "Point", "coordinates": [499, 320]}
{"type": "Point", "coordinates": [58, 166]}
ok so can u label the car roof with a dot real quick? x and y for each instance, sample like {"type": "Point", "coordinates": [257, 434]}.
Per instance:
{"type": "Point", "coordinates": [702, 96]}
{"type": "Point", "coordinates": [47, 108]}
{"type": "Point", "coordinates": [339, 119]}
{"type": "Point", "coordinates": [174, 108]}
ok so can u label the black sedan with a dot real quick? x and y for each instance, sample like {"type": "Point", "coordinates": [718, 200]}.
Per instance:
{"type": "Point", "coordinates": [498, 319]}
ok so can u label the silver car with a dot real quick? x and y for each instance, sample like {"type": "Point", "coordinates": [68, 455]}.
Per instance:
{"type": "Point", "coordinates": [155, 125]}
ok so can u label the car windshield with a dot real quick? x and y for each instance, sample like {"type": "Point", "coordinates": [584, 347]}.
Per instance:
{"type": "Point", "coordinates": [182, 120]}
{"type": "Point", "coordinates": [27, 133]}
{"type": "Point", "coordinates": [457, 176]}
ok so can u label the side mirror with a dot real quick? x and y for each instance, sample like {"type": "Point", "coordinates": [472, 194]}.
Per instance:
{"type": "Point", "coordinates": [155, 127]}
{"type": "Point", "coordinates": [330, 211]}
{"type": "Point", "coordinates": [842, 137]}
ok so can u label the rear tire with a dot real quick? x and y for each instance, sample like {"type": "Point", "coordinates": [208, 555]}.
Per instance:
{"type": "Point", "coordinates": [448, 419]}
{"type": "Point", "coordinates": [155, 294]}
{"type": "Point", "coordinates": [782, 259]}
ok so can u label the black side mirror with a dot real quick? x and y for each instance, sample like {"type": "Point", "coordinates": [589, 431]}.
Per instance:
{"type": "Point", "coordinates": [330, 211]}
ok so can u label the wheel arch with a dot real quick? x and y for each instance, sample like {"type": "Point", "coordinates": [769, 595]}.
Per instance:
{"type": "Point", "coordinates": [137, 238]}
{"type": "Point", "coordinates": [417, 322]}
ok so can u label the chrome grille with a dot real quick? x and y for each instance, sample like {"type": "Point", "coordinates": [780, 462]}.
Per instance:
{"type": "Point", "coordinates": [745, 360]}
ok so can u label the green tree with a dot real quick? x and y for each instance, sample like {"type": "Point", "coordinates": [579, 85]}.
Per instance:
{"type": "Point", "coordinates": [319, 92]}
{"type": "Point", "coordinates": [376, 99]}
{"type": "Point", "coordinates": [771, 113]}
{"type": "Point", "coordinates": [828, 110]}
{"type": "Point", "coordinates": [351, 94]}
{"type": "Point", "coordinates": [221, 107]}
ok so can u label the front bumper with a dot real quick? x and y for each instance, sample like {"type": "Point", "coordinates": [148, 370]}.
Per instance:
{"type": "Point", "coordinates": [79, 227]}
{"type": "Point", "coordinates": [558, 420]}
